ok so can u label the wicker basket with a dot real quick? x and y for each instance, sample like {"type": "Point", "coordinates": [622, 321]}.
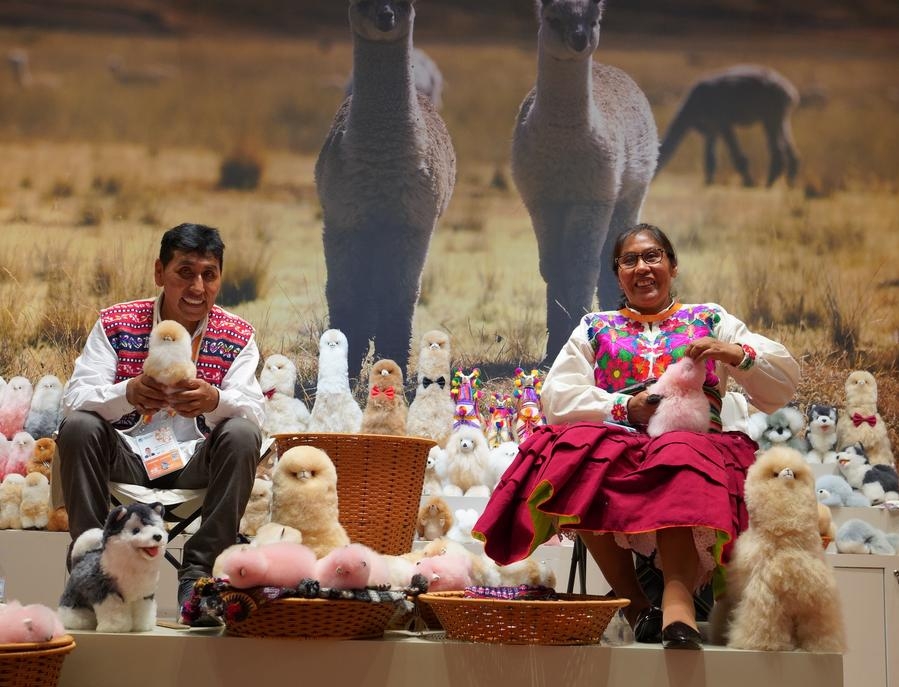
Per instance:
{"type": "Point", "coordinates": [308, 618]}
{"type": "Point", "coordinates": [34, 665]}
{"type": "Point", "coordinates": [380, 478]}
{"type": "Point", "coordinates": [573, 619]}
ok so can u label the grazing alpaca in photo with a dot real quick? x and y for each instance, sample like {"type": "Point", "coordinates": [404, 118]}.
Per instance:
{"type": "Point", "coordinates": [738, 96]}
{"type": "Point", "coordinates": [384, 176]}
{"type": "Point", "coordinates": [146, 75]}
{"type": "Point", "coordinates": [583, 155]}
{"type": "Point", "coordinates": [25, 79]}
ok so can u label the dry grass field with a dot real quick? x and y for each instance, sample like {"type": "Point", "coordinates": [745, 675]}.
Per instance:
{"type": "Point", "coordinates": [94, 170]}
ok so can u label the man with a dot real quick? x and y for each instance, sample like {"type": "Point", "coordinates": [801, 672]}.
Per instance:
{"type": "Point", "coordinates": [215, 417]}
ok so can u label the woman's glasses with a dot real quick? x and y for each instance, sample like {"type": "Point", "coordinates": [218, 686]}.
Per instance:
{"type": "Point", "coordinates": [652, 256]}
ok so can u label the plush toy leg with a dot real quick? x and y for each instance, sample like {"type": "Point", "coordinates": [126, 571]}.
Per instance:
{"type": "Point", "coordinates": [77, 618]}
{"type": "Point", "coordinates": [113, 615]}
{"type": "Point", "coordinates": [143, 615]}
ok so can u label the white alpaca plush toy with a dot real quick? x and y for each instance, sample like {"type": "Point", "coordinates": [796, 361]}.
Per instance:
{"type": "Point", "coordinates": [467, 463]}
{"type": "Point", "coordinates": [436, 465]}
{"type": "Point", "coordinates": [284, 413]}
{"type": "Point", "coordinates": [259, 508]}
{"type": "Point", "coordinates": [501, 458]}
{"type": "Point", "coordinates": [860, 422]}
{"type": "Point", "coordinates": [463, 520]}
{"type": "Point", "coordinates": [683, 405]}
{"type": "Point", "coordinates": [170, 358]}
{"type": "Point", "coordinates": [11, 501]}
{"type": "Point", "coordinates": [45, 412]}
{"type": "Point", "coordinates": [335, 409]}
{"type": "Point", "coordinates": [431, 411]}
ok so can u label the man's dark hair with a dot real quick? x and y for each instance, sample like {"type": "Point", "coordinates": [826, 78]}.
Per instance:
{"type": "Point", "coordinates": [191, 238]}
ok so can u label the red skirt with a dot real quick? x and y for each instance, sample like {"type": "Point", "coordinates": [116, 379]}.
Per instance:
{"type": "Point", "coordinates": [603, 478]}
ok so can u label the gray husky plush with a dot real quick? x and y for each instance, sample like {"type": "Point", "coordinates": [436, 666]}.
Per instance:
{"type": "Point", "coordinates": [115, 572]}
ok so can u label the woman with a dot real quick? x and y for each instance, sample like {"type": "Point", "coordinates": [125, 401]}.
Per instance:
{"type": "Point", "coordinates": [594, 470]}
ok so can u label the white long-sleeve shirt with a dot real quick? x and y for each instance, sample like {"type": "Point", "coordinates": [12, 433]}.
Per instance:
{"type": "Point", "coordinates": [92, 387]}
{"type": "Point", "coordinates": [570, 393]}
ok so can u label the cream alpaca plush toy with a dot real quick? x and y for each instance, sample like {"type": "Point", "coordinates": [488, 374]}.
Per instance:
{"type": "Point", "coordinates": [335, 409]}
{"type": "Point", "coordinates": [259, 507]}
{"type": "Point", "coordinates": [467, 463]}
{"type": "Point", "coordinates": [683, 405]}
{"type": "Point", "coordinates": [434, 469]}
{"type": "Point", "coordinates": [284, 412]}
{"type": "Point", "coordinates": [35, 506]}
{"type": "Point", "coordinates": [385, 411]}
{"type": "Point", "coordinates": [782, 593]}
{"type": "Point", "coordinates": [500, 459]}
{"type": "Point", "coordinates": [170, 358]}
{"type": "Point", "coordinates": [11, 501]}
{"type": "Point", "coordinates": [860, 422]}
{"type": "Point", "coordinates": [304, 496]}
{"type": "Point", "coordinates": [431, 411]}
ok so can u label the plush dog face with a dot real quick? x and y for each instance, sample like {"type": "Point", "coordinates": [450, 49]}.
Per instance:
{"type": "Point", "coordinates": [783, 425]}
{"type": "Point", "coordinates": [138, 528]}
{"type": "Point", "coordinates": [852, 455]}
{"type": "Point", "coordinates": [821, 416]}
{"type": "Point", "coordinates": [780, 492]}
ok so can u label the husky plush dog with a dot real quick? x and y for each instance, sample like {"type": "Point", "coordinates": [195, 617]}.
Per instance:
{"type": "Point", "coordinates": [115, 572]}
{"type": "Point", "coordinates": [821, 433]}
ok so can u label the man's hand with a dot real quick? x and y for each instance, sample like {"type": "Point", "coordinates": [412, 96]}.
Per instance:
{"type": "Point", "coordinates": [145, 394]}
{"type": "Point", "coordinates": [192, 397]}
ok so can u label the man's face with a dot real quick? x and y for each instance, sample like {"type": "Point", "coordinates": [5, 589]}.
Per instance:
{"type": "Point", "coordinates": [190, 283]}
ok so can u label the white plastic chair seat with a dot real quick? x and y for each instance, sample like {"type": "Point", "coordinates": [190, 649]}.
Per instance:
{"type": "Point", "coordinates": [180, 502]}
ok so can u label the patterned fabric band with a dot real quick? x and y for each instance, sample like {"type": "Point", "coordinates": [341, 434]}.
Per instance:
{"type": "Point", "coordinates": [748, 357]}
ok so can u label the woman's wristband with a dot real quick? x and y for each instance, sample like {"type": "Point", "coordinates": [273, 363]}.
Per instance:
{"type": "Point", "coordinates": [748, 357]}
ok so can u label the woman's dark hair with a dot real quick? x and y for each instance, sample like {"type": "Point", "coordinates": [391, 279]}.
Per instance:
{"type": "Point", "coordinates": [191, 238]}
{"type": "Point", "coordinates": [653, 231]}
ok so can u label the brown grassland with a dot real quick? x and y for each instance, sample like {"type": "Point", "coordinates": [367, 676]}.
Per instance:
{"type": "Point", "coordinates": [93, 171]}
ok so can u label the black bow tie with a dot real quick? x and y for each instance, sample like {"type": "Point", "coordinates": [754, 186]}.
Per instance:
{"type": "Point", "coordinates": [440, 381]}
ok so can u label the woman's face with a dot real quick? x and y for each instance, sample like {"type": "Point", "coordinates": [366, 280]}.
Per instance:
{"type": "Point", "coordinates": [646, 287]}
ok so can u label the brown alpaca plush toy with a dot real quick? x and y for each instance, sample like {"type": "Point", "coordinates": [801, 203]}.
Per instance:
{"type": "Point", "coordinates": [385, 411]}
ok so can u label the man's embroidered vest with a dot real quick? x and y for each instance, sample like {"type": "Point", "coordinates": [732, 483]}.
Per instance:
{"type": "Point", "coordinates": [128, 327]}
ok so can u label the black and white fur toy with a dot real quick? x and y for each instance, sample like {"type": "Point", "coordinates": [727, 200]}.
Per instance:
{"type": "Point", "coordinates": [821, 434]}
{"type": "Point", "coordinates": [878, 483]}
{"type": "Point", "coordinates": [115, 572]}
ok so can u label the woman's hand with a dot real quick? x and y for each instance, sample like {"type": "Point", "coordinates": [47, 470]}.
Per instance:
{"type": "Point", "coordinates": [709, 347]}
{"type": "Point", "coordinates": [640, 408]}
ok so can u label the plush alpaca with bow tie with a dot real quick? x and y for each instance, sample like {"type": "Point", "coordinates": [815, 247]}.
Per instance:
{"type": "Point", "coordinates": [860, 422]}
{"type": "Point", "coordinates": [431, 411]}
{"type": "Point", "coordinates": [385, 411]}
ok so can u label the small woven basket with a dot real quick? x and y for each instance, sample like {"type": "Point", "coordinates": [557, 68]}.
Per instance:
{"type": "Point", "coordinates": [379, 483]}
{"type": "Point", "coordinates": [573, 619]}
{"type": "Point", "coordinates": [308, 618]}
{"type": "Point", "coordinates": [34, 664]}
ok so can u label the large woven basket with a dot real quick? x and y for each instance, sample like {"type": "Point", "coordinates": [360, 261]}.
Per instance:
{"type": "Point", "coordinates": [379, 483]}
{"type": "Point", "coordinates": [34, 665]}
{"type": "Point", "coordinates": [308, 618]}
{"type": "Point", "coordinates": [573, 619]}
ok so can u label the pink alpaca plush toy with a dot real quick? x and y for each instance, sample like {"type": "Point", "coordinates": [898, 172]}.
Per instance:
{"type": "Point", "coordinates": [28, 624]}
{"type": "Point", "coordinates": [448, 572]}
{"type": "Point", "coordinates": [280, 564]}
{"type": "Point", "coordinates": [684, 405]}
{"type": "Point", "coordinates": [15, 401]}
{"type": "Point", "coordinates": [354, 566]}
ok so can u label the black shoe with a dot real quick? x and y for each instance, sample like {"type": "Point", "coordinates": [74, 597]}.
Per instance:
{"type": "Point", "coordinates": [679, 635]}
{"type": "Point", "coordinates": [189, 606]}
{"type": "Point", "coordinates": [648, 628]}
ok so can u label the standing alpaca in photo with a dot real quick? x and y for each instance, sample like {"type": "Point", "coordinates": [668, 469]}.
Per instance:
{"type": "Point", "coordinates": [384, 176]}
{"type": "Point", "coordinates": [583, 155]}
{"type": "Point", "coordinates": [738, 96]}
{"type": "Point", "coordinates": [427, 75]}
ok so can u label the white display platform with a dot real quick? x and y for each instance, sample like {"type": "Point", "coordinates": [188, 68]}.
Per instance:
{"type": "Point", "coordinates": [191, 659]}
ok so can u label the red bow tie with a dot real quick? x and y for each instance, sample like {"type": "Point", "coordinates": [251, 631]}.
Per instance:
{"type": "Point", "coordinates": [268, 394]}
{"type": "Point", "coordinates": [388, 392]}
{"type": "Point", "coordinates": [858, 419]}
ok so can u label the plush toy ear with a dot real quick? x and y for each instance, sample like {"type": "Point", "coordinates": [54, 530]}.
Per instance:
{"type": "Point", "coordinates": [159, 508]}
{"type": "Point", "coordinates": [115, 515]}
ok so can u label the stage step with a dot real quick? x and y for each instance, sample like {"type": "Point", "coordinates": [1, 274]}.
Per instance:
{"type": "Point", "coordinates": [207, 659]}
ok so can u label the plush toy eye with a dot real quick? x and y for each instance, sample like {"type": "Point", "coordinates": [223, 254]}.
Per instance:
{"type": "Point", "coordinates": [136, 530]}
